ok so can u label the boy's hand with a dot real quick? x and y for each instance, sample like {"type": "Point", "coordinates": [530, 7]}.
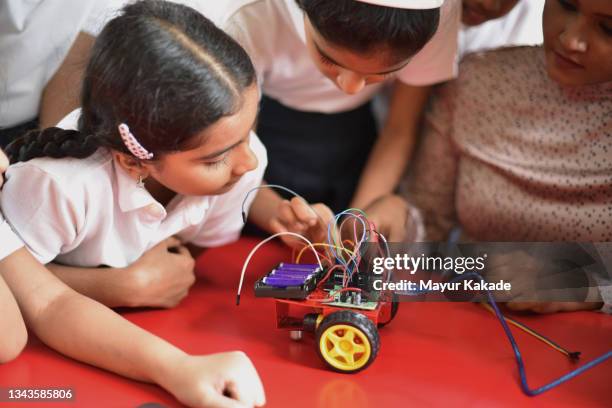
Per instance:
{"type": "Point", "coordinates": [161, 277]}
{"type": "Point", "coordinates": [217, 380]}
{"type": "Point", "coordinates": [297, 216]}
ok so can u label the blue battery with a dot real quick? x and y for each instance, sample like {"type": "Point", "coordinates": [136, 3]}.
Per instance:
{"type": "Point", "coordinates": [303, 278]}
{"type": "Point", "coordinates": [294, 270]}
{"type": "Point", "coordinates": [284, 272]}
{"type": "Point", "coordinates": [309, 267]}
{"type": "Point", "coordinates": [283, 281]}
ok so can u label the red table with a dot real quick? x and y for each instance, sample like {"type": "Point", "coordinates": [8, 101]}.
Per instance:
{"type": "Point", "coordinates": [433, 354]}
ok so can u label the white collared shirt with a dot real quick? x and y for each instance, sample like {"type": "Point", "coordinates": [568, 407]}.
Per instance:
{"type": "Point", "coordinates": [35, 37]}
{"type": "Point", "coordinates": [272, 32]}
{"type": "Point", "coordinates": [90, 212]}
{"type": "Point", "coordinates": [522, 26]}
{"type": "Point", "coordinates": [9, 242]}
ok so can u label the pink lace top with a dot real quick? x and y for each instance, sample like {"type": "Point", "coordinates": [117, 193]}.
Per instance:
{"type": "Point", "coordinates": [511, 155]}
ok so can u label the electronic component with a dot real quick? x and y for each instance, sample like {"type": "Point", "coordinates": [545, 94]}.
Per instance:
{"type": "Point", "coordinates": [289, 281]}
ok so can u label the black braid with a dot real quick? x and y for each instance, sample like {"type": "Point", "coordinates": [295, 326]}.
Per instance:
{"type": "Point", "coordinates": [161, 68]}
{"type": "Point", "coordinates": [52, 142]}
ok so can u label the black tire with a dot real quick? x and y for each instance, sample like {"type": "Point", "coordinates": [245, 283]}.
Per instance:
{"type": "Point", "coordinates": [394, 308]}
{"type": "Point", "coordinates": [364, 335]}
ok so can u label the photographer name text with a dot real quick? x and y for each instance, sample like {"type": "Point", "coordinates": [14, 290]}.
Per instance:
{"type": "Point", "coordinates": [434, 286]}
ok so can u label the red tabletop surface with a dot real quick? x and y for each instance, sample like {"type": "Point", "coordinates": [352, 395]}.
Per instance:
{"type": "Point", "coordinates": [432, 354]}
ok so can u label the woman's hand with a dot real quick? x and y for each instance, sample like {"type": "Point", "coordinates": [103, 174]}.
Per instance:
{"type": "Point", "coordinates": [217, 380]}
{"type": "Point", "coordinates": [552, 307]}
{"type": "Point", "coordinates": [392, 217]}
{"type": "Point", "coordinates": [538, 286]}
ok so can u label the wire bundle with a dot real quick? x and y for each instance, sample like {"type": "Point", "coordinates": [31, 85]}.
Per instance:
{"type": "Point", "coordinates": [339, 254]}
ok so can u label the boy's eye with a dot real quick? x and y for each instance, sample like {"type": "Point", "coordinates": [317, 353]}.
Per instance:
{"type": "Point", "coordinates": [568, 5]}
{"type": "Point", "coordinates": [606, 29]}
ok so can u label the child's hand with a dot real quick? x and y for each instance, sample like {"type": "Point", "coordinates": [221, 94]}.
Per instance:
{"type": "Point", "coordinates": [217, 380]}
{"type": "Point", "coordinates": [161, 277]}
{"type": "Point", "coordinates": [297, 216]}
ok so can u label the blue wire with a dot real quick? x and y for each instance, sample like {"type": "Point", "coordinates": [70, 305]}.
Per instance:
{"type": "Point", "coordinates": [517, 353]}
{"type": "Point", "coordinates": [330, 241]}
{"type": "Point", "coordinates": [519, 358]}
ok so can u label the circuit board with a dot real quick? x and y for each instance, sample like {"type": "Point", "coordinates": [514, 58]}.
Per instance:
{"type": "Point", "coordinates": [350, 300]}
{"type": "Point", "coordinates": [362, 305]}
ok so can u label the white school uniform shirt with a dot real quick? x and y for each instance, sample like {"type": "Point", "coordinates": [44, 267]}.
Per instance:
{"type": "Point", "coordinates": [35, 37]}
{"type": "Point", "coordinates": [90, 212]}
{"type": "Point", "coordinates": [521, 26]}
{"type": "Point", "coordinates": [9, 242]}
{"type": "Point", "coordinates": [272, 32]}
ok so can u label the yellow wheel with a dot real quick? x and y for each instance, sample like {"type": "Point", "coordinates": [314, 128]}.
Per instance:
{"type": "Point", "coordinates": [347, 341]}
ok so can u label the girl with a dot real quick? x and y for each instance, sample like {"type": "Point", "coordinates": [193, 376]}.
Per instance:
{"type": "Point", "coordinates": [48, 304]}
{"type": "Point", "coordinates": [518, 148]}
{"type": "Point", "coordinates": [164, 148]}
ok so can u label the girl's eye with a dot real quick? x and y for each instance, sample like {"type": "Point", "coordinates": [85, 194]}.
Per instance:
{"type": "Point", "coordinates": [606, 29]}
{"type": "Point", "coordinates": [379, 78]}
{"type": "Point", "coordinates": [218, 163]}
{"type": "Point", "coordinates": [567, 5]}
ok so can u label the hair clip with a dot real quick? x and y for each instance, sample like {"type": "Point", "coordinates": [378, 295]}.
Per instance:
{"type": "Point", "coordinates": [132, 144]}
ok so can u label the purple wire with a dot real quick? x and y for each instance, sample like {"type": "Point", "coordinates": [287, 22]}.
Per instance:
{"type": "Point", "coordinates": [517, 353]}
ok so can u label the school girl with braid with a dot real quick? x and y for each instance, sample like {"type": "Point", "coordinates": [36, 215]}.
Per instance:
{"type": "Point", "coordinates": [159, 165]}
{"type": "Point", "coordinates": [30, 294]}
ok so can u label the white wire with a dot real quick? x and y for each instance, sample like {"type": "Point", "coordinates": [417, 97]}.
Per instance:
{"type": "Point", "coordinates": [246, 263]}
{"type": "Point", "coordinates": [273, 186]}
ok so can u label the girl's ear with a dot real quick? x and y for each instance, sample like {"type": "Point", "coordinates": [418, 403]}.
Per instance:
{"type": "Point", "coordinates": [134, 167]}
